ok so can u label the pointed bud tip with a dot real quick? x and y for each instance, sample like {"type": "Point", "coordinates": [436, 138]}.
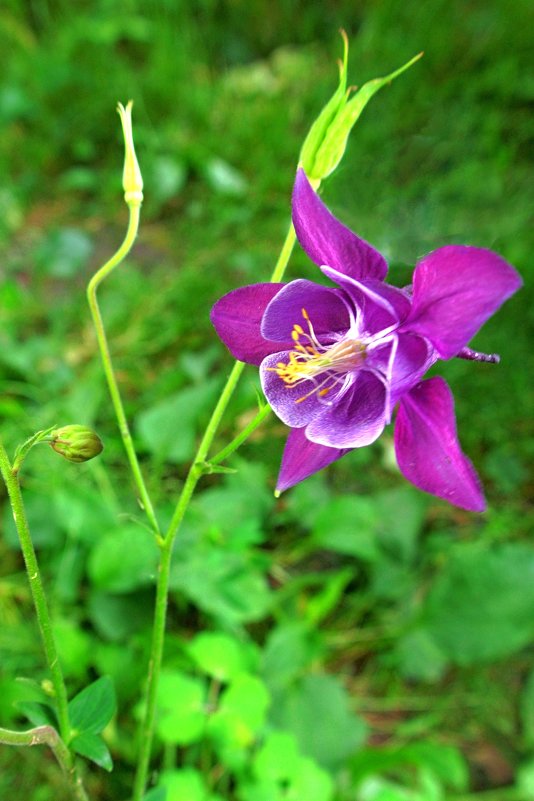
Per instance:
{"type": "Point", "coordinates": [132, 180]}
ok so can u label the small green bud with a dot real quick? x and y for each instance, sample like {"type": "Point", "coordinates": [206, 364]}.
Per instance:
{"type": "Point", "coordinates": [132, 180]}
{"type": "Point", "coordinates": [76, 443]}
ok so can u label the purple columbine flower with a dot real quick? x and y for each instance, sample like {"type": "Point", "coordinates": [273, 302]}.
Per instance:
{"type": "Point", "coordinates": [335, 361]}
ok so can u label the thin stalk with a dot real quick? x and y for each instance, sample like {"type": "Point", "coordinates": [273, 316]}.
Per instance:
{"type": "Point", "coordinates": [47, 735]}
{"type": "Point", "coordinates": [96, 280]}
{"type": "Point", "coordinates": [167, 543]}
{"type": "Point", "coordinates": [241, 437]}
{"type": "Point", "coordinates": [38, 593]}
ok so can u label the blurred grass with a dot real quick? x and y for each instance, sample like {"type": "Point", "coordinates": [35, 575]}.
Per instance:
{"type": "Point", "coordinates": [224, 93]}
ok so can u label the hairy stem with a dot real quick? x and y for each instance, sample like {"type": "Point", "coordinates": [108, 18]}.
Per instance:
{"type": "Point", "coordinates": [37, 590]}
{"type": "Point", "coordinates": [96, 280]}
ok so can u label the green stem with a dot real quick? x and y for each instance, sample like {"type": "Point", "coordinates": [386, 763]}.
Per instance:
{"type": "Point", "coordinates": [96, 280]}
{"type": "Point", "coordinates": [242, 437]}
{"type": "Point", "coordinates": [195, 472]}
{"type": "Point", "coordinates": [37, 590]}
{"type": "Point", "coordinates": [47, 735]}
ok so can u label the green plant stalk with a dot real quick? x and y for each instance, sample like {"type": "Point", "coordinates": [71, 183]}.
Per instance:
{"type": "Point", "coordinates": [47, 735]}
{"type": "Point", "coordinates": [94, 283]}
{"type": "Point", "coordinates": [56, 741]}
{"type": "Point", "coordinates": [37, 590]}
{"type": "Point", "coordinates": [167, 543]}
{"type": "Point", "coordinates": [241, 437]}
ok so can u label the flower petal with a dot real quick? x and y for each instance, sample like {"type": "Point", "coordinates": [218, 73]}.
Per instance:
{"type": "Point", "coordinates": [354, 419]}
{"type": "Point", "coordinates": [327, 311]}
{"type": "Point", "coordinates": [327, 241]}
{"type": "Point", "coordinates": [380, 304]}
{"type": "Point", "coordinates": [455, 290]}
{"type": "Point", "coordinates": [237, 317]}
{"type": "Point", "coordinates": [290, 403]}
{"type": "Point", "coordinates": [427, 447]}
{"type": "Point", "coordinates": [302, 458]}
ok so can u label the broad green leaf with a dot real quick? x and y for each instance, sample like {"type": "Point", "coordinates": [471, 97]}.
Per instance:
{"type": "Point", "coordinates": [220, 655]}
{"type": "Point", "coordinates": [74, 647]}
{"type": "Point", "coordinates": [92, 747]}
{"type": "Point", "coordinates": [481, 606]}
{"type": "Point", "coordinates": [291, 648]}
{"type": "Point", "coordinates": [124, 559]}
{"type": "Point", "coordinates": [242, 711]}
{"type": "Point", "coordinates": [348, 525]}
{"type": "Point", "coordinates": [117, 617]}
{"type": "Point", "coordinates": [319, 698]}
{"type": "Point", "coordinates": [92, 709]}
{"type": "Point", "coordinates": [181, 708]}
{"type": "Point", "coordinates": [419, 656]}
{"type": "Point", "coordinates": [184, 785]}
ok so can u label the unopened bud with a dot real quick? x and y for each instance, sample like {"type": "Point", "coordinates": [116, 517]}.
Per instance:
{"type": "Point", "coordinates": [132, 180]}
{"type": "Point", "coordinates": [76, 443]}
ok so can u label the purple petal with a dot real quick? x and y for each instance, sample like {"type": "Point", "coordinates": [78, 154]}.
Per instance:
{"type": "Point", "coordinates": [427, 447]}
{"type": "Point", "coordinates": [237, 318]}
{"type": "Point", "coordinates": [354, 419]}
{"type": "Point", "coordinates": [413, 357]}
{"type": "Point", "coordinates": [327, 310]}
{"type": "Point", "coordinates": [455, 290]}
{"type": "Point", "coordinates": [296, 405]}
{"type": "Point", "coordinates": [302, 458]}
{"type": "Point", "coordinates": [380, 305]}
{"type": "Point", "coordinates": [327, 241]}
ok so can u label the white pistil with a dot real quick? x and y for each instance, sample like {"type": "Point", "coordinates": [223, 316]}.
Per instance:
{"type": "Point", "coordinates": [310, 359]}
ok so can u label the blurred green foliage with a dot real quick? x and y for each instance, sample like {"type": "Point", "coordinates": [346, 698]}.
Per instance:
{"type": "Point", "coordinates": [355, 640]}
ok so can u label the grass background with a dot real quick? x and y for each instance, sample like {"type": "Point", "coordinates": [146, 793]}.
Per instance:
{"type": "Point", "coordinates": [421, 614]}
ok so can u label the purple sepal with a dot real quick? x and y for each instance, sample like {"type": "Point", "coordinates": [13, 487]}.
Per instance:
{"type": "Point", "coordinates": [329, 242]}
{"type": "Point", "coordinates": [455, 290]}
{"type": "Point", "coordinates": [237, 319]}
{"type": "Point", "coordinates": [302, 458]}
{"type": "Point", "coordinates": [427, 447]}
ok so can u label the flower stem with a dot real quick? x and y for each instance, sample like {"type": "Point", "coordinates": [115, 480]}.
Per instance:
{"type": "Point", "coordinates": [37, 590]}
{"type": "Point", "coordinates": [242, 437]}
{"type": "Point", "coordinates": [96, 280]}
{"type": "Point", "coordinates": [167, 543]}
{"type": "Point", "coordinates": [47, 735]}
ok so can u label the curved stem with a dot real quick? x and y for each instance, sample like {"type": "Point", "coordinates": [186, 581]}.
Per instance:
{"type": "Point", "coordinates": [167, 543]}
{"type": "Point", "coordinates": [37, 590]}
{"type": "Point", "coordinates": [96, 280]}
{"type": "Point", "coordinates": [241, 437]}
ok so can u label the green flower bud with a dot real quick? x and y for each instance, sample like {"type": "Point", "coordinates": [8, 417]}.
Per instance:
{"type": "Point", "coordinates": [76, 443]}
{"type": "Point", "coordinates": [326, 141]}
{"type": "Point", "coordinates": [132, 180]}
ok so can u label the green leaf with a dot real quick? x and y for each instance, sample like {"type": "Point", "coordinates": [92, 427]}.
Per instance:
{"type": "Point", "coordinates": [291, 648]}
{"type": "Point", "coordinates": [181, 708]}
{"type": "Point", "coordinates": [319, 698]}
{"type": "Point", "coordinates": [241, 713]}
{"type": "Point", "coordinates": [156, 794]}
{"type": "Point", "coordinates": [124, 559]}
{"type": "Point", "coordinates": [184, 785]}
{"type": "Point", "coordinates": [92, 747]}
{"type": "Point", "coordinates": [117, 617]}
{"type": "Point", "coordinates": [348, 525]}
{"type": "Point", "coordinates": [91, 710]}
{"type": "Point", "coordinates": [168, 428]}
{"type": "Point", "coordinates": [74, 647]}
{"type": "Point", "coordinates": [481, 607]}
{"type": "Point", "coordinates": [38, 714]}
{"type": "Point", "coordinates": [220, 655]}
